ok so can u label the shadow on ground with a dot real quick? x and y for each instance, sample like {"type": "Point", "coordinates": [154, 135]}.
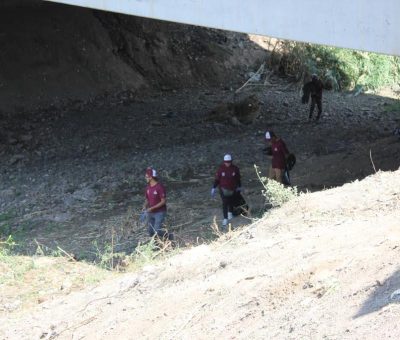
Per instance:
{"type": "Point", "coordinates": [383, 295]}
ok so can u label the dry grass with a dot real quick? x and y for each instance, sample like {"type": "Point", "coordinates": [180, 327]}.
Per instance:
{"type": "Point", "coordinates": [28, 281]}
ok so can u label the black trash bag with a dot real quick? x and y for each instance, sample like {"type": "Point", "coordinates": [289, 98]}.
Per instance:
{"type": "Point", "coordinates": [240, 207]}
{"type": "Point", "coordinates": [306, 93]}
{"type": "Point", "coordinates": [286, 178]}
{"type": "Point", "coordinates": [290, 162]}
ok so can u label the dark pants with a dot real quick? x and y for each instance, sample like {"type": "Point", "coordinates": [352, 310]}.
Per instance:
{"type": "Point", "coordinates": [154, 225]}
{"type": "Point", "coordinates": [318, 101]}
{"type": "Point", "coordinates": [227, 204]}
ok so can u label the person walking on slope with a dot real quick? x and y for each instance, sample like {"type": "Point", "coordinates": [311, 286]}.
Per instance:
{"type": "Point", "coordinates": [228, 180]}
{"type": "Point", "coordinates": [314, 89]}
{"type": "Point", "coordinates": [155, 206]}
{"type": "Point", "coordinates": [279, 155]}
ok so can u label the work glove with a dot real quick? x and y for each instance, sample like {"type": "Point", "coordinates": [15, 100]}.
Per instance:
{"type": "Point", "coordinates": [213, 192]}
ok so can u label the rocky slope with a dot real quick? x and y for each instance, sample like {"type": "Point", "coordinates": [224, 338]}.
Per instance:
{"type": "Point", "coordinates": [54, 55]}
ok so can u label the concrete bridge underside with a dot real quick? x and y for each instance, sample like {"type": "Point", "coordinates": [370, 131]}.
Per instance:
{"type": "Point", "coordinates": [368, 25]}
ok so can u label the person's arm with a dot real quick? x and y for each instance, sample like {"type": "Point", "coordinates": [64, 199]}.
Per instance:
{"type": "Point", "coordinates": [146, 202]}
{"type": "Point", "coordinates": [216, 180]}
{"type": "Point", "coordinates": [158, 205]}
{"type": "Point", "coordinates": [216, 183]}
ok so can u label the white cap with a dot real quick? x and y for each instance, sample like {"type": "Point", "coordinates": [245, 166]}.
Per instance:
{"type": "Point", "coordinates": [227, 158]}
{"type": "Point", "coordinates": [267, 135]}
{"type": "Point", "coordinates": [151, 172]}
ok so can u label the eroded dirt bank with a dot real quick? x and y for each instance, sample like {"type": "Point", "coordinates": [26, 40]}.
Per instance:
{"type": "Point", "coordinates": [56, 56]}
{"type": "Point", "coordinates": [323, 267]}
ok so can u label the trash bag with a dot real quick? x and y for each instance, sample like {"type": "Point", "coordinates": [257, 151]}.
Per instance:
{"type": "Point", "coordinates": [291, 161]}
{"type": "Point", "coordinates": [240, 207]}
{"type": "Point", "coordinates": [306, 93]}
{"type": "Point", "coordinates": [305, 99]}
{"type": "Point", "coordinates": [286, 178]}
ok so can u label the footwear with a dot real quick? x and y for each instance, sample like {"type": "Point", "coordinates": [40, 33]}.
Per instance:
{"type": "Point", "coordinates": [230, 216]}
{"type": "Point", "coordinates": [224, 222]}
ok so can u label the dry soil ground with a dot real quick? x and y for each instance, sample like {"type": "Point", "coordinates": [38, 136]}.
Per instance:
{"type": "Point", "coordinates": [324, 266]}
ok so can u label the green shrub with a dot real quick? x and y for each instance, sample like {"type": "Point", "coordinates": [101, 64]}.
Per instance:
{"type": "Point", "coordinates": [107, 257]}
{"type": "Point", "coordinates": [6, 247]}
{"type": "Point", "coordinates": [275, 193]}
{"type": "Point", "coordinates": [342, 68]}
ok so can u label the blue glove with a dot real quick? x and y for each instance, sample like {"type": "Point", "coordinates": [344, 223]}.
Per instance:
{"type": "Point", "coordinates": [212, 192]}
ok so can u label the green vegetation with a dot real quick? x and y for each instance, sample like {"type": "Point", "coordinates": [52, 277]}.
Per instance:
{"type": "Point", "coordinates": [5, 227]}
{"type": "Point", "coordinates": [276, 194]}
{"type": "Point", "coordinates": [15, 268]}
{"type": "Point", "coordinates": [106, 256]}
{"type": "Point", "coordinates": [151, 252]}
{"type": "Point", "coordinates": [340, 68]}
{"type": "Point", "coordinates": [6, 247]}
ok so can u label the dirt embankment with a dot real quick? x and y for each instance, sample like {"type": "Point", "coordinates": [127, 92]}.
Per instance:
{"type": "Point", "coordinates": [54, 55]}
{"type": "Point", "coordinates": [322, 267]}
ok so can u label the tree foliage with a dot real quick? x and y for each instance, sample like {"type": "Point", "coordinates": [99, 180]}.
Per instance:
{"type": "Point", "coordinates": [338, 67]}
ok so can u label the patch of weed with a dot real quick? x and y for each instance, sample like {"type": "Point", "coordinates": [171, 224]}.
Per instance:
{"type": "Point", "coordinates": [275, 193]}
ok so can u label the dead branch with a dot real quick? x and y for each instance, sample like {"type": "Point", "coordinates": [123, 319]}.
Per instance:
{"type": "Point", "coordinates": [259, 71]}
{"type": "Point", "coordinates": [72, 258]}
{"type": "Point", "coordinates": [370, 157]}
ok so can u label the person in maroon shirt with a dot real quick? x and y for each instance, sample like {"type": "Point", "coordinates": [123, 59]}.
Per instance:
{"type": "Point", "coordinates": [228, 180]}
{"type": "Point", "coordinates": [279, 156]}
{"type": "Point", "coordinates": [155, 206]}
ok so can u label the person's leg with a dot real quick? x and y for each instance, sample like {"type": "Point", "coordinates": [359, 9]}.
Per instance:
{"type": "Point", "coordinates": [159, 218]}
{"type": "Point", "coordinates": [224, 206]}
{"type": "Point", "coordinates": [312, 106]}
{"type": "Point", "coordinates": [319, 105]}
{"type": "Point", "coordinates": [271, 173]}
{"type": "Point", "coordinates": [150, 224]}
{"type": "Point", "coordinates": [230, 207]}
{"type": "Point", "coordinates": [278, 175]}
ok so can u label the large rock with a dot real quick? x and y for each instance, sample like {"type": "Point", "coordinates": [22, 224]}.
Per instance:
{"type": "Point", "coordinates": [243, 111]}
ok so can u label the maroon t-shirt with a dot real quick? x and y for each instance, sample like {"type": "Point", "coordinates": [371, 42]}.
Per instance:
{"type": "Point", "coordinates": [227, 177]}
{"type": "Point", "coordinates": [279, 152]}
{"type": "Point", "coordinates": [154, 194]}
